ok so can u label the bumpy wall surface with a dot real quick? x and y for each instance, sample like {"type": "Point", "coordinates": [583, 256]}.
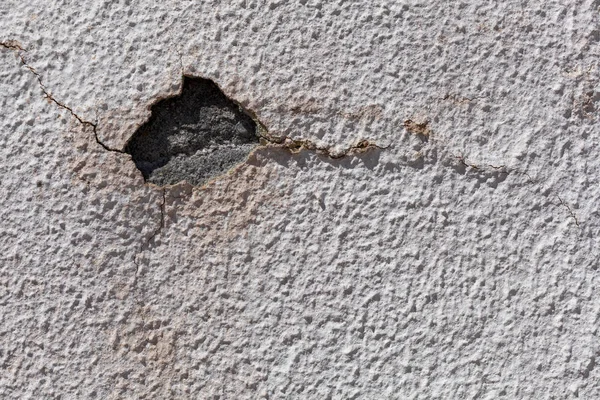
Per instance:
{"type": "Point", "coordinates": [427, 226]}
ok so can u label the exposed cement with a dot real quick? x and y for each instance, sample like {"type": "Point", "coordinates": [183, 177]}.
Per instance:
{"type": "Point", "coordinates": [192, 137]}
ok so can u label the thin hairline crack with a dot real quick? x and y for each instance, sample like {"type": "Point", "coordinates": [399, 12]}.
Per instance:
{"type": "Point", "coordinates": [571, 212]}
{"type": "Point", "coordinates": [297, 145]}
{"type": "Point", "coordinates": [11, 45]}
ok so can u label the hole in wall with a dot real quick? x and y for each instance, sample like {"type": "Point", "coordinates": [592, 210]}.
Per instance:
{"type": "Point", "coordinates": [195, 136]}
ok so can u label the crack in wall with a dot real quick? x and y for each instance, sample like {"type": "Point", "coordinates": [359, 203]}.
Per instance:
{"type": "Point", "coordinates": [200, 133]}
{"type": "Point", "coordinates": [503, 169]}
{"type": "Point", "coordinates": [161, 225]}
{"type": "Point", "coordinates": [455, 98]}
{"type": "Point", "coordinates": [571, 213]}
{"type": "Point", "coordinates": [484, 169]}
{"type": "Point", "coordinates": [294, 146]}
{"type": "Point", "coordinates": [11, 45]}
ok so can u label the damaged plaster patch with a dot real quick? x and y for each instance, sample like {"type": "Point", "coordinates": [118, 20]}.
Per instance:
{"type": "Point", "coordinates": [195, 136]}
{"type": "Point", "coordinates": [420, 129]}
{"type": "Point", "coordinates": [248, 134]}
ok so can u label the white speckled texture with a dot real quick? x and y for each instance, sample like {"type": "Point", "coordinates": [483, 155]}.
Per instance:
{"type": "Point", "coordinates": [462, 266]}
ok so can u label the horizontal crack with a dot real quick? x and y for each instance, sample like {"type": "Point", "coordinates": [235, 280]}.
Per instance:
{"type": "Point", "coordinates": [502, 169]}
{"type": "Point", "coordinates": [297, 145]}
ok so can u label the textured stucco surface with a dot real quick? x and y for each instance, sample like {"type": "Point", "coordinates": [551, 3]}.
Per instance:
{"type": "Point", "coordinates": [460, 264]}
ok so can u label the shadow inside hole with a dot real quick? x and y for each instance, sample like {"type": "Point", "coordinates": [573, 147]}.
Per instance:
{"type": "Point", "coordinates": [192, 137]}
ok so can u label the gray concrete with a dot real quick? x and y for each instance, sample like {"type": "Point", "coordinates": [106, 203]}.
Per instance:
{"type": "Point", "coordinates": [194, 136]}
{"type": "Point", "coordinates": [458, 261]}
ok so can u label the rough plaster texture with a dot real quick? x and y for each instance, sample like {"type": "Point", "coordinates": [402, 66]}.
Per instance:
{"type": "Point", "coordinates": [458, 262]}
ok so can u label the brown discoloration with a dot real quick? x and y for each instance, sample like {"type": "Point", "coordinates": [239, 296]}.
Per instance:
{"type": "Point", "coordinates": [418, 128]}
{"type": "Point", "coordinates": [585, 106]}
{"type": "Point", "coordinates": [369, 112]}
{"type": "Point", "coordinates": [307, 108]}
{"type": "Point", "coordinates": [225, 207]}
{"type": "Point", "coordinates": [295, 146]}
{"type": "Point", "coordinates": [12, 45]}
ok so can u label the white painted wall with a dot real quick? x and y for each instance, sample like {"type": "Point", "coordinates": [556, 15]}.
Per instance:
{"type": "Point", "coordinates": [464, 266]}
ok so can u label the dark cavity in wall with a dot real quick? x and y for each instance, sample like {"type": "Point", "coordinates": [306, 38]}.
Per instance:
{"type": "Point", "coordinates": [193, 137]}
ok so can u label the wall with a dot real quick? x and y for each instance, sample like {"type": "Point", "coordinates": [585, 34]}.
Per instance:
{"type": "Point", "coordinates": [456, 258]}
